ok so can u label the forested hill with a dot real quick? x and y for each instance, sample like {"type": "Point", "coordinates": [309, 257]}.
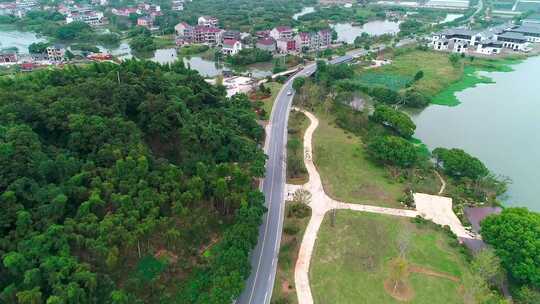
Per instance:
{"type": "Point", "coordinates": [130, 183]}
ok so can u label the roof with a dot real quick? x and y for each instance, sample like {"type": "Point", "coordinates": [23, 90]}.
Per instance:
{"type": "Point", "coordinates": [229, 42]}
{"type": "Point", "coordinates": [458, 31]}
{"type": "Point", "coordinates": [266, 41]}
{"type": "Point", "coordinates": [513, 35]}
{"type": "Point", "coordinates": [527, 29]}
{"type": "Point", "coordinates": [283, 29]}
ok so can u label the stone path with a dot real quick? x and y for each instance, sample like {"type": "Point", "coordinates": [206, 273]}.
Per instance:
{"type": "Point", "coordinates": [320, 204]}
{"type": "Point", "coordinates": [435, 208]}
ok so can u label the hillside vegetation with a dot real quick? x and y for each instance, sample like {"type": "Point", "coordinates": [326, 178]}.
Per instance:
{"type": "Point", "coordinates": [129, 183]}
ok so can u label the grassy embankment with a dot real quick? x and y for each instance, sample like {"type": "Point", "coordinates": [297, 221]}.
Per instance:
{"type": "Point", "coordinates": [352, 261]}
{"type": "Point", "coordinates": [294, 226]}
{"type": "Point", "coordinates": [346, 172]}
{"type": "Point", "coordinates": [268, 102]}
{"type": "Point", "coordinates": [296, 169]}
{"type": "Point", "coordinates": [441, 79]}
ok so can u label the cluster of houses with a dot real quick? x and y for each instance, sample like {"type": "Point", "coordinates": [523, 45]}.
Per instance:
{"type": "Point", "coordinates": [488, 42]}
{"type": "Point", "coordinates": [54, 54]}
{"type": "Point", "coordinates": [18, 8]}
{"type": "Point", "coordinates": [147, 14]}
{"type": "Point", "coordinates": [281, 39]}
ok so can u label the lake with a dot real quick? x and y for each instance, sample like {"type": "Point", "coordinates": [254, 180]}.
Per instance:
{"type": "Point", "coordinates": [348, 32]}
{"type": "Point", "coordinates": [210, 68]}
{"type": "Point", "coordinates": [18, 39]}
{"type": "Point", "coordinates": [498, 123]}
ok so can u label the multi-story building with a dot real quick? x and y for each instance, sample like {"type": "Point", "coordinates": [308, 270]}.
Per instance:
{"type": "Point", "coordinates": [313, 41]}
{"type": "Point", "coordinates": [282, 32]}
{"type": "Point", "coordinates": [231, 34]}
{"type": "Point", "coordinates": [125, 11]}
{"type": "Point", "coordinates": [8, 57]}
{"type": "Point", "coordinates": [145, 21]}
{"type": "Point", "coordinates": [207, 35]}
{"type": "Point", "coordinates": [531, 31]}
{"type": "Point", "coordinates": [56, 53]}
{"type": "Point", "coordinates": [286, 46]}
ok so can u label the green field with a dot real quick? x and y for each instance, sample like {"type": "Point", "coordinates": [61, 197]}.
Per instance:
{"type": "Point", "coordinates": [346, 173]}
{"type": "Point", "coordinates": [351, 260]}
{"type": "Point", "coordinates": [391, 81]}
{"type": "Point", "coordinates": [438, 72]}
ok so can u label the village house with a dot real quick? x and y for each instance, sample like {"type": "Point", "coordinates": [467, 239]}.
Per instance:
{"type": "Point", "coordinates": [487, 42]}
{"type": "Point", "coordinates": [88, 16]}
{"type": "Point", "coordinates": [313, 41]}
{"type": "Point", "coordinates": [285, 46]}
{"type": "Point", "coordinates": [282, 32]}
{"type": "Point", "coordinates": [124, 12]}
{"type": "Point", "coordinates": [531, 31]}
{"type": "Point", "coordinates": [8, 57]}
{"type": "Point", "coordinates": [177, 5]}
{"type": "Point", "coordinates": [56, 53]}
{"type": "Point", "coordinates": [207, 35]}
{"type": "Point", "coordinates": [266, 44]}
{"type": "Point", "coordinates": [231, 34]}
{"type": "Point", "coordinates": [231, 47]}
{"type": "Point", "coordinates": [514, 41]}
{"type": "Point", "coordinates": [208, 21]}
{"type": "Point", "coordinates": [146, 22]}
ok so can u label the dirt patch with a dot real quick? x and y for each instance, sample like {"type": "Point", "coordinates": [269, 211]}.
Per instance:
{"type": "Point", "coordinates": [286, 287]}
{"type": "Point", "coordinates": [371, 191]}
{"type": "Point", "coordinates": [433, 273]}
{"type": "Point", "coordinates": [401, 292]}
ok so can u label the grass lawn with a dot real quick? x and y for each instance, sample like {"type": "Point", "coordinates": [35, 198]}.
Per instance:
{"type": "Point", "coordinates": [438, 72]}
{"type": "Point", "coordinates": [291, 238]}
{"type": "Point", "coordinates": [269, 101]}
{"type": "Point", "coordinates": [346, 173]}
{"type": "Point", "coordinates": [298, 123]}
{"type": "Point", "coordinates": [351, 260]}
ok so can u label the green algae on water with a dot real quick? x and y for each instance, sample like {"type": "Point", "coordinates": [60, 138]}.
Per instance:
{"type": "Point", "coordinates": [471, 78]}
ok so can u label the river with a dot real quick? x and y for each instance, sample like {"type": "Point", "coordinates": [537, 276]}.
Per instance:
{"type": "Point", "coordinates": [21, 40]}
{"type": "Point", "coordinates": [500, 124]}
{"type": "Point", "coordinates": [347, 32]}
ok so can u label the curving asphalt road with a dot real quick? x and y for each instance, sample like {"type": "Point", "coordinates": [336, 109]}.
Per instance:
{"type": "Point", "coordinates": [265, 255]}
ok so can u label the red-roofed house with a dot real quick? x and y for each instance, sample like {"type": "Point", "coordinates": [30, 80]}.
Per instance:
{"type": "Point", "coordinates": [126, 11]}
{"type": "Point", "coordinates": [281, 32]}
{"type": "Point", "coordinates": [231, 47]}
{"type": "Point", "coordinates": [267, 44]}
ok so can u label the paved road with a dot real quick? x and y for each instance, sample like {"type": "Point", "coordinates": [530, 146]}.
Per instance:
{"type": "Point", "coordinates": [265, 255]}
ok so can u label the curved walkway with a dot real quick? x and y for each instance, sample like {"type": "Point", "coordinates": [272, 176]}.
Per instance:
{"type": "Point", "coordinates": [320, 204]}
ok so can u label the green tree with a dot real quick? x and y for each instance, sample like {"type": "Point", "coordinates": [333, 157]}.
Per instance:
{"type": "Point", "coordinates": [514, 234]}
{"type": "Point", "coordinates": [398, 121]}
{"type": "Point", "coordinates": [298, 83]}
{"type": "Point", "coordinates": [393, 150]}
{"type": "Point", "coordinates": [458, 163]}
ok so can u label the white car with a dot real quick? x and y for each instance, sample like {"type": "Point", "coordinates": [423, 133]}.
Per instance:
{"type": "Point", "coordinates": [289, 93]}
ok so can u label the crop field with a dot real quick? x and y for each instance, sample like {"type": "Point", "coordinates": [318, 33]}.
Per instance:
{"type": "Point", "coordinates": [389, 81]}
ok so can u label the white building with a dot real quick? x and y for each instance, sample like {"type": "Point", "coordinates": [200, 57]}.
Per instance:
{"type": "Point", "coordinates": [282, 33]}
{"type": "Point", "coordinates": [231, 47]}
{"type": "Point", "coordinates": [208, 21]}
{"type": "Point", "coordinates": [89, 17]}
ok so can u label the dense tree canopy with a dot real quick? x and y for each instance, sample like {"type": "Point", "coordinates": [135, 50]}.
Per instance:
{"type": "Point", "coordinates": [125, 183]}
{"type": "Point", "coordinates": [397, 120]}
{"type": "Point", "coordinates": [515, 235]}
{"type": "Point", "coordinates": [393, 150]}
{"type": "Point", "coordinates": [249, 56]}
{"type": "Point", "coordinates": [458, 163]}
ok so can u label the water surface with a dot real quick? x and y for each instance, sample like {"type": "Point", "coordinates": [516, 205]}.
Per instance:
{"type": "Point", "coordinates": [498, 123]}
{"type": "Point", "coordinates": [18, 39]}
{"type": "Point", "coordinates": [347, 32]}
{"type": "Point", "coordinates": [304, 11]}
